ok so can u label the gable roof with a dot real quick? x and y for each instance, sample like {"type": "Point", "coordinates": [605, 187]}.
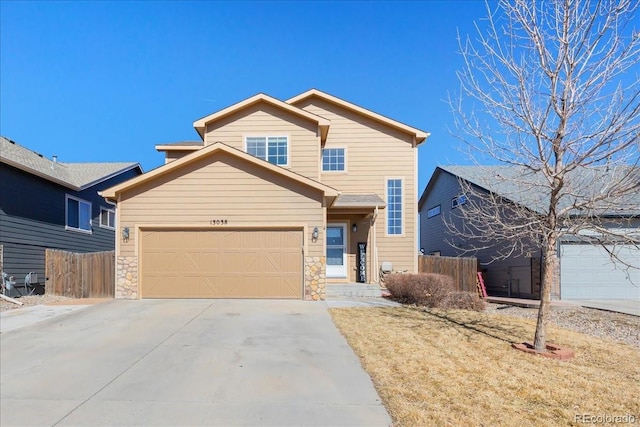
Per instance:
{"type": "Point", "coordinates": [527, 188]}
{"type": "Point", "coordinates": [419, 135]}
{"type": "Point", "coordinates": [323, 124]}
{"type": "Point", "coordinates": [76, 176]}
{"type": "Point", "coordinates": [112, 193]}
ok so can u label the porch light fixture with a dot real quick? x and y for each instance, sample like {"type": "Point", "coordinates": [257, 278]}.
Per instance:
{"type": "Point", "coordinates": [314, 234]}
{"type": "Point", "coordinates": [354, 227]}
{"type": "Point", "coordinates": [125, 234]}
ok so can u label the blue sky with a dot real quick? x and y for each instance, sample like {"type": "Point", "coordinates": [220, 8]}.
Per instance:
{"type": "Point", "coordinates": [107, 81]}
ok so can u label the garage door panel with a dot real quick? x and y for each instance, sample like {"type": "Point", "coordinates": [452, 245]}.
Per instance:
{"type": "Point", "coordinates": [221, 264]}
{"type": "Point", "coordinates": [587, 272]}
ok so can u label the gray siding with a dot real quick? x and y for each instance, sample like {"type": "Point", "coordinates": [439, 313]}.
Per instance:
{"type": "Point", "coordinates": [32, 219]}
{"type": "Point", "coordinates": [511, 276]}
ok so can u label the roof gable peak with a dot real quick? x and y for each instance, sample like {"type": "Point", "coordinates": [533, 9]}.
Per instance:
{"type": "Point", "coordinates": [200, 124]}
{"type": "Point", "coordinates": [209, 150]}
{"type": "Point", "coordinates": [419, 135]}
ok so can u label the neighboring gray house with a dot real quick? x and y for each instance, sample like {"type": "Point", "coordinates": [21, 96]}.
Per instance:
{"type": "Point", "coordinates": [586, 271]}
{"type": "Point", "coordinates": [49, 204]}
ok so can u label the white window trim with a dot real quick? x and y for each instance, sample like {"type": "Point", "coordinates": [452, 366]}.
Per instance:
{"type": "Point", "coordinates": [322, 162]}
{"type": "Point", "coordinates": [430, 213]}
{"type": "Point", "coordinates": [402, 206]}
{"type": "Point", "coordinates": [266, 137]}
{"type": "Point", "coordinates": [108, 227]}
{"type": "Point", "coordinates": [66, 214]}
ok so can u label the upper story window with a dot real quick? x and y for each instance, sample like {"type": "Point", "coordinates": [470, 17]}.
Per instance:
{"type": "Point", "coordinates": [78, 214]}
{"type": "Point", "coordinates": [458, 201]}
{"type": "Point", "coordinates": [434, 211]}
{"type": "Point", "coordinates": [107, 218]}
{"type": "Point", "coordinates": [333, 159]}
{"type": "Point", "coordinates": [394, 206]}
{"type": "Point", "coordinates": [274, 149]}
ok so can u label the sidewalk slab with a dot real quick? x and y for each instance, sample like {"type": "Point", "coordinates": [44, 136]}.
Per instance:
{"type": "Point", "coordinates": [22, 317]}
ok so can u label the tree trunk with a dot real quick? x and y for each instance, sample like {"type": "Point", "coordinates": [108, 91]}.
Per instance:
{"type": "Point", "coordinates": [549, 272]}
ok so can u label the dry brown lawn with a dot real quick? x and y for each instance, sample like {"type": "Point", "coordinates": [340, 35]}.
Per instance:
{"type": "Point", "coordinates": [457, 368]}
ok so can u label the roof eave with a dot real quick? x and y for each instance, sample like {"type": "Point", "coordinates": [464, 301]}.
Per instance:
{"type": "Point", "coordinates": [39, 174]}
{"type": "Point", "coordinates": [111, 175]}
{"type": "Point", "coordinates": [164, 147]}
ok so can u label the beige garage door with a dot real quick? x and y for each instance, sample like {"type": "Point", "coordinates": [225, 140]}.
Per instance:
{"type": "Point", "coordinates": [221, 264]}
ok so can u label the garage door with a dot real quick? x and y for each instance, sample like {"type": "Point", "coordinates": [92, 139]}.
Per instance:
{"type": "Point", "coordinates": [221, 264]}
{"type": "Point", "coordinates": [587, 272]}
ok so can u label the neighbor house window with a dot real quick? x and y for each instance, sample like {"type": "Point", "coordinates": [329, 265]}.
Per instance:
{"type": "Point", "coordinates": [333, 159]}
{"type": "Point", "coordinates": [107, 218]}
{"type": "Point", "coordinates": [434, 211]}
{"type": "Point", "coordinates": [458, 201]}
{"type": "Point", "coordinates": [274, 149]}
{"type": "Point", "coordinates": [394, 206]}
{"type": "Point", "coordinates": [78, 214]}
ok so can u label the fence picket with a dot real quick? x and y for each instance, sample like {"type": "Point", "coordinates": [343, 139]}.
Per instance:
{"type": "Point", "coordinates": [462, 270]}
{"type": "Point", "coordinates": [80, 275]}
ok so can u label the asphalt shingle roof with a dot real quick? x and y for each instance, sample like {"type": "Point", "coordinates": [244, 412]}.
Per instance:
{"type": "Point", "coordinates": [528, 188]}
{"type": "Point", "coordinates": [73, 175]}
{"type": "Point", "coordinates": [358, 200]}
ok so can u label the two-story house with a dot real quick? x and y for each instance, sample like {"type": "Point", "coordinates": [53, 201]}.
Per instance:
{"type": "Point", "coordinates": [587, 267]}
{"type": "Point", "coordinates": [45, 203]}
{"type": "Point", "coordinates": [278, 199]}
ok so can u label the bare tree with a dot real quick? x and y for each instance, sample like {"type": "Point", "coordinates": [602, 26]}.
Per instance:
{"type": "Point", "coordinates": [551, 89]}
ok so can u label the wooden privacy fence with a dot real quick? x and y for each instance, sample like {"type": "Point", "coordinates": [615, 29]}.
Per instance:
{"type": "Point", "coordinates": [80, 275]}
{"type": "Point", "coordinates": [463, 270]}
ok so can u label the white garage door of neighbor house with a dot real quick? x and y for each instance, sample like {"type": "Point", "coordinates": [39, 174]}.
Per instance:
{"type": "Point", "coordinates": [221, 264]}
{"type": "Point", "coordinates": [587, 272]}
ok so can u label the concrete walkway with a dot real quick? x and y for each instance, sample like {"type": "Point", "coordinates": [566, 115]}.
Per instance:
{"type": "Point", "coordinates": [22, 317]}
{"type": "Point", "coordinates": [185, 362]}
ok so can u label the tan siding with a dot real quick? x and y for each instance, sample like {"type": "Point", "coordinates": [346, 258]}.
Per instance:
{"type": "Point", "coordinates": [221, 187]}
{"type": "Point", "coordinates": [267, 120]}
{"type": "Point", "coordinates": [374, 153]}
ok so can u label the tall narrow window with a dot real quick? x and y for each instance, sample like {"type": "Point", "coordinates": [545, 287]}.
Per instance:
{"type": "Point", "coordinates": [333, 159]}
{"type": "Point", "coordinates": [78, 215]}
{"type": "Point", "coordinates": [274, 149]}
{"type": "Point", "coordinates": [394, 206]}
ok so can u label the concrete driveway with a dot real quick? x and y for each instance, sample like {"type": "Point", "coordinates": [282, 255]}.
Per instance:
{"type": "Point", "coordinates": [185, 362]}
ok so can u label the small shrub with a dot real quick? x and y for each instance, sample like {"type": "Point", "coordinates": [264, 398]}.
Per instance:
{"type": "Point", "coordinates": [421, 289]}
{"type": "Point", "coordinates": [431, 290]}
{"type": "Point", "coordinates": [463, 301]}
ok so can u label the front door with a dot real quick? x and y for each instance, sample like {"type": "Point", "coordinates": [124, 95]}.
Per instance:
{"type": "Point", "coordinates": [337, 250]}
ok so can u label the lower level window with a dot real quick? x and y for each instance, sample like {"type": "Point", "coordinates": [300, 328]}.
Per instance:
{"type": "Point", "coordinates": [78, 214]}
{"type": "Point", "coordinates": [394, 206]}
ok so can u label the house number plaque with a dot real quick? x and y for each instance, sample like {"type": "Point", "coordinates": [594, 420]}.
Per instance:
{"type": "Point", "coordinates": [218, 222]}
